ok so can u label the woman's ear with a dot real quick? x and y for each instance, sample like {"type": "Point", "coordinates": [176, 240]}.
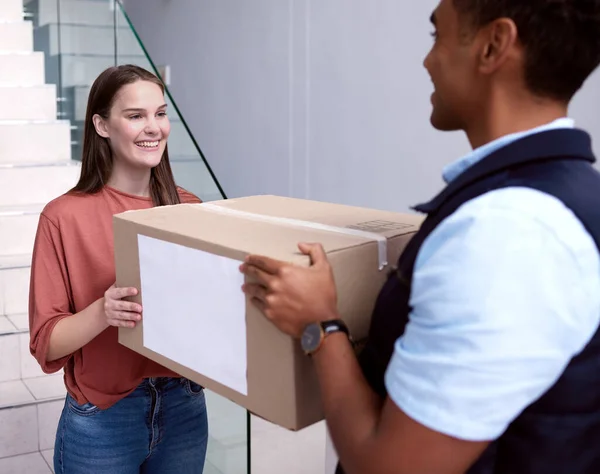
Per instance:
{"type": "Point", "coordinates": [100, 126]}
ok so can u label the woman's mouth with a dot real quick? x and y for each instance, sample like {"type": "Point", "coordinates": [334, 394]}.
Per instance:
{"type": "Point", "coordinates": [148, 145]}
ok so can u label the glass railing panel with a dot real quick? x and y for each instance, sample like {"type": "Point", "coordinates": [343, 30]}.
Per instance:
{"type": "Point", "coordinates": [190, 168]}
{"type": "Point", "coordinates": [229, 434]}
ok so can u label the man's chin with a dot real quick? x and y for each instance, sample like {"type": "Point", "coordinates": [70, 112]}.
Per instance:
{"type": "Point", "coordinates": [443, 124]}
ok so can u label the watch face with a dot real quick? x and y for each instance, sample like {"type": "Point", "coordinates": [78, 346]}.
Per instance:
{"type": "Point", "coordinates": [311, 338]}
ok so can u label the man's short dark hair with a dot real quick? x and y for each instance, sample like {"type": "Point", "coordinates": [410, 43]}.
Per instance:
{"type": "Point", "coordinates": [561, 39]}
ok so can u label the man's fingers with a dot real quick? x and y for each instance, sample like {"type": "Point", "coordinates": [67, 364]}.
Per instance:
{"type": "Point", "coordinates": [255, 291]}
{"type": "Point", "coordinates": [260, 304]}
{"type": "Point", "coordinates": [265, 264]}
{"type": "Point", "coordinates": [253, 271]}
{"type": "Point", "coordinates": [316, 252]}
{"type": "Point", "coordinates": [263, 307]}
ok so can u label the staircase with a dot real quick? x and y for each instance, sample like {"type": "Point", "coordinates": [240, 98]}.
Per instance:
{"type": "Point", "coordinates": [35, 167]}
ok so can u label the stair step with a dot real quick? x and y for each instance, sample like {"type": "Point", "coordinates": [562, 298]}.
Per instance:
{"type": "Point", "coordinates": [16, 36]}
{"type": "Point", "coordinates": [19, 227]}
{"type": "Point", "coordinates": [14, 323]}
{"type": "Point", "coordinates": [20, 210]}
{"type": "Point", "coordinates": [36, 103]}
{"type": "Point", "coordinates": [82, 70]}
{"type": "Point", "coordinates": [16, 361]}
{"type": "Point", "coordinates": [86, 39]}
{"type": "Point", "coordinates": [29, 428]}
{"type": "Point", "coordinates": [7, 326]}
{"type": "Point", "coordinates": [15, 393]}
{"type": "Point", "coordinates": [46, 140]}
{"type": "Point", "coordinates": [11, 10]}
{"type": "Point", "coordinates": [44, 181]}
{"type": "Point", "coordinates": [32, 390]}
{"type": "Point", "coordinates": [31, 463]}
{"type": "Point", "coordinates": [11, 262]}
{"type": "Point", "coordinates": [22, 68]}
{"type": "Point", "coordinates": [15, 272]}
{"type": "Point", "coordinates": [80, 12]}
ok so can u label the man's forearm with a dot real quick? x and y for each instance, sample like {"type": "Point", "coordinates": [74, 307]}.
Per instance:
{"type": "Point", "coordinates": [352, 408]}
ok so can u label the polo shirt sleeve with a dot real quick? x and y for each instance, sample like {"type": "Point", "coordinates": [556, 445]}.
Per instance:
{"type": "Point", "coordinates": [504, 294]}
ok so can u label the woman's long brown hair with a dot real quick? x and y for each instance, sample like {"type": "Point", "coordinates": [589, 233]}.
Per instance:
{"type": "Point", "coordinates": [97, 158]}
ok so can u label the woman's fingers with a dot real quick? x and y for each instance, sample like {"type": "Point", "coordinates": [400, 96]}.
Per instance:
{"type": "Point", "coordinates": [115, 293]}
{"type": "Point", "coordinates": [121, 323]}
{"type": "Point", "coordinates": [127, 306]}
{"type": "Point", "coordinates": [126, 315]}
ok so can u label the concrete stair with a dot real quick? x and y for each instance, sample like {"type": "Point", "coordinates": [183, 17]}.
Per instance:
{"type": "Point", "coordinates": [32, 141]}
{"type": "Point", "coordinates": [77, 12]}
{"type": "Point", "coordinates": [35, 167]}
{"type": "Point", "coordinates": [86, 40]}
{"type": "Point", "coordinates": [16, 36]}
{"type": "Point", "coordinates": [21, 67]}
{"type": "Point", "coordinates": [35, 102]}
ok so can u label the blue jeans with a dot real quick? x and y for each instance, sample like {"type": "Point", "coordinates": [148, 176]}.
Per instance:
{"type": "Point", "coordinates": [160, 428]}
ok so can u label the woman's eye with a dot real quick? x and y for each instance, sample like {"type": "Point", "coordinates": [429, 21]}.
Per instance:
{"type": "Point", "coordinates": [135, 117]}
{"type": "Point", "coordinates": [162, 114]}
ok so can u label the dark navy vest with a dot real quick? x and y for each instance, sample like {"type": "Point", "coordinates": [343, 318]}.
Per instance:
{"type": "Point", "coordinates": [560, 432]}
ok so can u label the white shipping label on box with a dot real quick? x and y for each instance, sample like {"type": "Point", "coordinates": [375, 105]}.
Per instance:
{"type": "Point", "coordinates": [194, 310]}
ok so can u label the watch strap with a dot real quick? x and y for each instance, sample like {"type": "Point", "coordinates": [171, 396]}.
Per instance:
{"type": "Point", "coordinates": [331, 327]}
{"type": "Point", "coordinates": [334, 325]}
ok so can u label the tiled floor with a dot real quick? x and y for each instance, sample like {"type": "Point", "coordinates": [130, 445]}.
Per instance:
{"type": "Point", "coordinates": [6, 326]}
{"type": "Point", "coordinates": [22, 392]}
{"type": "Point", "coordinates": [49, 457]}
{"type": "Point", "coordinates": [34, 463]}
{"type": "Point", "coordinates": [19, 321]}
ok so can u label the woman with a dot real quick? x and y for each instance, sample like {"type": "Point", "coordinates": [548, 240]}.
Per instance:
{"type": "Point", "coordinates": [123, 414]}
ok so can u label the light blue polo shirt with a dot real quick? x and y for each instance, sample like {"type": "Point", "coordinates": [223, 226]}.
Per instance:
{"type": "Point", "coordinates": [505, 292]}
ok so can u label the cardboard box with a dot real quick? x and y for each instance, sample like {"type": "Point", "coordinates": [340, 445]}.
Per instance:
{"type": "Point", "coordinates": [198, 322]}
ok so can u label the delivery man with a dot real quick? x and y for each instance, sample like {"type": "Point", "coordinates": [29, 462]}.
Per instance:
{"type": "Point", "coordinates": [484, 350]}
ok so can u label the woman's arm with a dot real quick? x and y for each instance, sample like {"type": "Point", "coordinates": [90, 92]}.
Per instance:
{"type": "Point", "coordinates": [73, 332]}
{"type": "Point", "coordinates": [55, 332]}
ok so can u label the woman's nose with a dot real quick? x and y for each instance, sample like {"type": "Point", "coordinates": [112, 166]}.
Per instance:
{"type": "Point", "coordinates": [151, 127]}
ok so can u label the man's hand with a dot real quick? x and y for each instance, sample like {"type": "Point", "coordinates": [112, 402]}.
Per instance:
{"type": "Point", "coordinates": [292, 296]}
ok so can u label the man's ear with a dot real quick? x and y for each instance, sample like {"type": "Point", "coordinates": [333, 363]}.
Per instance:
{"type": "Point", "coordinates": [100, 126]}
{"type": "Point", "coordinates": [500, 42]}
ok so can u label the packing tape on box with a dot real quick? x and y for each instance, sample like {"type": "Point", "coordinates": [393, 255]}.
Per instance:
{"type": "Point", "coordinates": [380, 239]}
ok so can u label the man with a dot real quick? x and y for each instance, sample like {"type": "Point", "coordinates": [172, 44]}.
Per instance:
{"type": "Point", "coordinates": [484, 349]}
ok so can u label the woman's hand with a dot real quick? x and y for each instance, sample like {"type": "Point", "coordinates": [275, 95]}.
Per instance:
{"type": "Point", "coordinates": [121, 313]}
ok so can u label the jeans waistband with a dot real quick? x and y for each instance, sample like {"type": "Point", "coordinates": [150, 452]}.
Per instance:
{"type": "Point", "coordinates": [161, 382]}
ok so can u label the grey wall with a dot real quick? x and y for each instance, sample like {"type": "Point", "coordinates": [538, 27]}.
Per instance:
{"type": "Point", "coordinates": [323, 99]}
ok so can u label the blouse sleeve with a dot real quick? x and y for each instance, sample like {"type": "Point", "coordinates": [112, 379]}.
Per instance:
{"type": "Point", "coordinates": [49, 292]}
{"type": "Point", "coordinates": [188, 198]}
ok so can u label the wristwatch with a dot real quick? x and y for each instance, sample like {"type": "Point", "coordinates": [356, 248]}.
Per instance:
{"type": "Point", "coordinates": [315, 333]}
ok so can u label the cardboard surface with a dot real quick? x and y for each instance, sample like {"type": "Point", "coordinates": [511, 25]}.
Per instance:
{"type": "Point", "coordinates": [281, 382]}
